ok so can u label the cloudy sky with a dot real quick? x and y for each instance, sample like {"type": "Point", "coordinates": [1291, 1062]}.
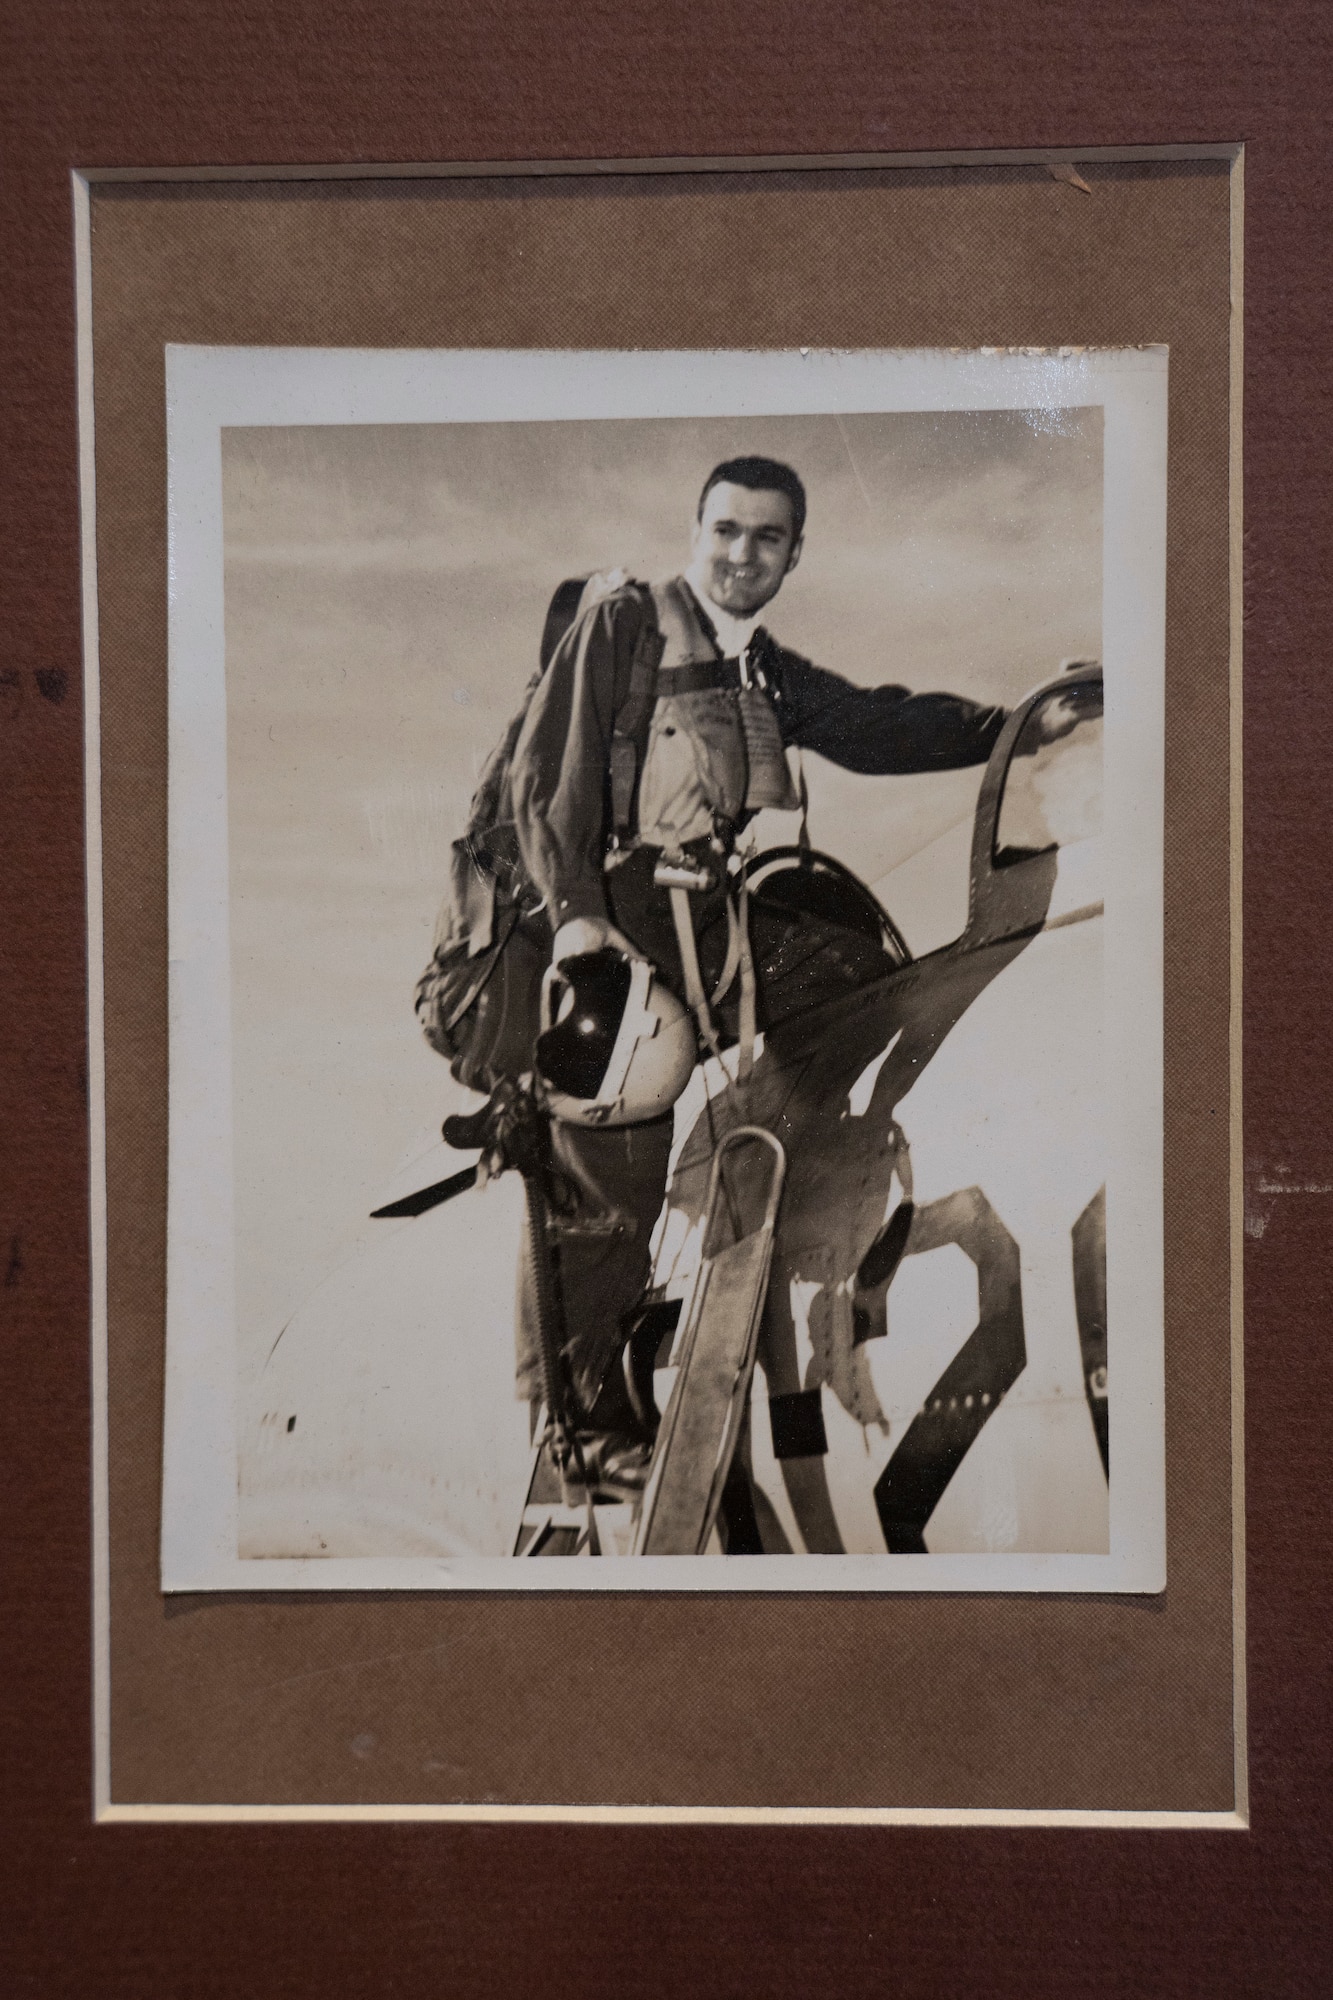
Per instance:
{"type": "Point", "coordinates": [385, 589]}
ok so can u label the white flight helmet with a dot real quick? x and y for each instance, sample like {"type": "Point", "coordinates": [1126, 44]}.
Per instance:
{"type": "Point", "coordinates": [616, 1047]}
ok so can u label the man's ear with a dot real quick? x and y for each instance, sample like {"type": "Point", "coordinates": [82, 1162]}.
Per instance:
{"type": "Point", "coordinates": [795, 555]}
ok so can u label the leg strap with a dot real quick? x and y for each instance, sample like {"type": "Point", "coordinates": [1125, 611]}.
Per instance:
{"type": "Point", "coordinates": [739, 957]}
{"type": "Point", "coordinates": [748, 1007]}
{"type": "Point", "coordinates": [689, 961]}
{"type": "Point", "coordinates": [731, 963]}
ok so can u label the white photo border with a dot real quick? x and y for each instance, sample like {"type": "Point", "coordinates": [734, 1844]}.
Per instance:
{"type": "Point", "coordinates": [209, 388]}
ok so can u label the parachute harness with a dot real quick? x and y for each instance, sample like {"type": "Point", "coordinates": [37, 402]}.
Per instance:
{"type": "Point", "coordinates": [680, 877]}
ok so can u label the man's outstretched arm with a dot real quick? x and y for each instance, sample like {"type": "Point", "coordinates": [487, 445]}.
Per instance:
{"type": "Point", "coordinates": [881, 731]}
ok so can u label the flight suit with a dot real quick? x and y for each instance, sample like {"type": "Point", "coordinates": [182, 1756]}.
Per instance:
{"type": "Point", "coordinates": [716, 733]}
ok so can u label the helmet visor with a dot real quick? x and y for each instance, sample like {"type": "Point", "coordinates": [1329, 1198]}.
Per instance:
{"type": "Point", "coordinates": [573, 1056]}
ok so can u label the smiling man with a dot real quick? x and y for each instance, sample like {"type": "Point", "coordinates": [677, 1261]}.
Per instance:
{"type": "Point", "coordinates": [746, 540]}
{"type": "Point", "coordinates": [609, 817]}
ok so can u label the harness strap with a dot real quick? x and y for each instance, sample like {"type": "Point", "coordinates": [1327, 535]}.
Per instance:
{"type": "Point", "coordinates": [748, 1007]}
{"type": "Point", "coordinates": [803, 794]}
{"type": "Point", "coordinates": [740, 957]}
{"type": "Point", "coordinates": [689, 962]}
{"type": "Point", "coordinates": [629, 732]}
{"type": "Point", "coordinates": [731, 963]}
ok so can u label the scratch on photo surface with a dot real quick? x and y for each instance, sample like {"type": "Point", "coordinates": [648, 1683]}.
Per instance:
{"type": "Point", "coordinates": [851, 460]}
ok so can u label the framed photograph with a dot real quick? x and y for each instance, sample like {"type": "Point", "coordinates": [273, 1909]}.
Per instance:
{"type": "Point", "coordinates": [855, 1266]}
{"type": "Point", "coordinates": [819, 1300]}
{"type": "Point", "coordinates": [622, 722]}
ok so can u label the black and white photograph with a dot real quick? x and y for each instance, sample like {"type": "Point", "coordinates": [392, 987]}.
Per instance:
{"type": "Point", "coordinates": [666, 970]}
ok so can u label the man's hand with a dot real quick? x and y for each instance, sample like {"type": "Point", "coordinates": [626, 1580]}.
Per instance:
{"type": "Point", "coordinates": [584, 934]}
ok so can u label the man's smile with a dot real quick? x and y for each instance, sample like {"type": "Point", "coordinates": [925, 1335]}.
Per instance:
{"type": "Point", "coordinates": [744, 544]}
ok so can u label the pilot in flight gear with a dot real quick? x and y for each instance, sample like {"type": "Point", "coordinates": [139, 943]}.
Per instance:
{"type": "Point", "coordinates": [657, 730]}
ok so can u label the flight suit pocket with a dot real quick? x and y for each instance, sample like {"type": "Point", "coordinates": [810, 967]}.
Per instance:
{"type": "Point", "coordinates": [695, 767]}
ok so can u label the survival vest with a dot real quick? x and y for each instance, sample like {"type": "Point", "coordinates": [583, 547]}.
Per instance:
{"type": "Point", "coordinates": [681, 741]}
{"type": "Point", "coordinates": [670, 705]}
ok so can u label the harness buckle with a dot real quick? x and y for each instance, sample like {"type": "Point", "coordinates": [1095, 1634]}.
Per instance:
{"type": "Point", "coordinates": [677, 871]}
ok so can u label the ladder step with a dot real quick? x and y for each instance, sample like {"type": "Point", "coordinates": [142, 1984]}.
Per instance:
{"type": "Point", "coordinates": [705, 1416]}
{"type": "Point", "coordinates": [563, 1531]}
{"type": "Point", "coordinates": [713, 1361]}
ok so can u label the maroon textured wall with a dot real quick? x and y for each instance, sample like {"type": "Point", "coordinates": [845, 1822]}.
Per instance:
{"type": "Point", "coordinates": [286, 1911]}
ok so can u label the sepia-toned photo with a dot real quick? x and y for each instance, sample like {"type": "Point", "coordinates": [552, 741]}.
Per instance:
{"type": "Point", "coordinates": [666, 970]}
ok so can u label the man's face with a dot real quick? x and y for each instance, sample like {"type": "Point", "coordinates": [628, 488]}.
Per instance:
{"type": "Point", "coordinates": [743, 546]}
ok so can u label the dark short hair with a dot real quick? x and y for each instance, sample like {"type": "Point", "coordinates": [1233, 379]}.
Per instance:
{"type": "Point", "coordinates": [759, 475]}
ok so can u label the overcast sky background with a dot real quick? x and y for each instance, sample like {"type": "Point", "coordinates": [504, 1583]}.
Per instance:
{"type": "Point", "coordinates": [385, 591]}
